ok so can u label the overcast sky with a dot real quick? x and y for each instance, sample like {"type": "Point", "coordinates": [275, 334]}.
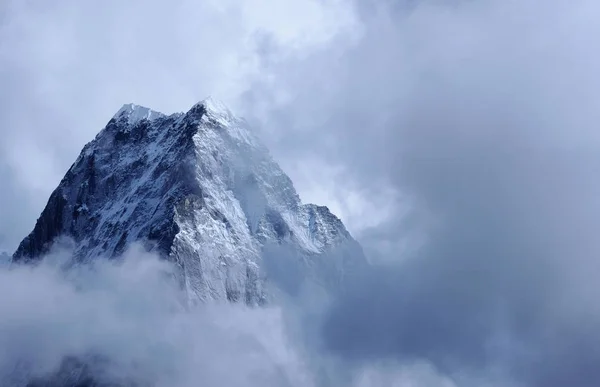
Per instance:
{"type": "Point", "coordinates": [457, 139]}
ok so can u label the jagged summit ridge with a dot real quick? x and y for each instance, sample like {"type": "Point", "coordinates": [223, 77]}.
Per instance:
{"type": "Point", "coordinates": [201, 190]}
{"type": "Point", "coordinates": [135, 113]}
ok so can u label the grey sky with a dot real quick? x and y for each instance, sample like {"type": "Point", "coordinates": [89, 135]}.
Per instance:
{"type": "Point", "coordinates": [464, 130]}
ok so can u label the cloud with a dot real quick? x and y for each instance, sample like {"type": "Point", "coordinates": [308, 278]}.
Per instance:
{"type": "Point", "coordinates": [128, 322]}
{"type": "Point", "coordinates": [482, 115]}
{"type": "Point", "coordinates": [133, 315]}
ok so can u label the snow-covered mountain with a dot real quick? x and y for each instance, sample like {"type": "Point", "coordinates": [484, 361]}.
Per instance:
{"type": "Point", "coordinates": [202, 191]}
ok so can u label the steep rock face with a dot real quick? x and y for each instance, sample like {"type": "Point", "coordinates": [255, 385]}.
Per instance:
{"type": "Point", "coordinates": [201, 190]}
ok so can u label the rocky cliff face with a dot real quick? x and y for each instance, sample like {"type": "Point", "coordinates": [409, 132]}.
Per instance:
{"type": "Point", "coordinates": [202, 191]}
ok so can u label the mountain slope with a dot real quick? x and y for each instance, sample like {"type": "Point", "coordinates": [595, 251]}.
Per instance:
{"type": "Point", "coordinates": [202, 191]}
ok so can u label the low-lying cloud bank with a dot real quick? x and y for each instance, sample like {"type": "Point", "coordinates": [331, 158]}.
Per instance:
{"type": "Point", "coordinates": [130, 323]}
{"type": "Point", "coordinates": [131, 314]}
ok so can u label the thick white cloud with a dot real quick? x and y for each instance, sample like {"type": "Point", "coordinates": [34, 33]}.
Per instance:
{"type": "Point", "coordinates": [132, 314]}
{"type": "Point", "coordinates": [132, 319]}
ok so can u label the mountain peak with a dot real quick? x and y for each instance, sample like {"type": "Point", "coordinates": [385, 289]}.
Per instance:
{"type": "Point", "coordinates": [135, 113]}
{"type": "Point", "coordinates": [213, 109]}
{"type": "Point", "coordinates": [201, 191]}
{"type": "Point", "coordinates": [214, 105]}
